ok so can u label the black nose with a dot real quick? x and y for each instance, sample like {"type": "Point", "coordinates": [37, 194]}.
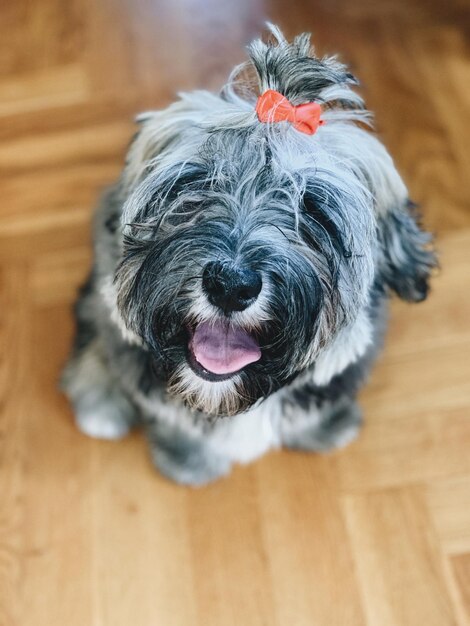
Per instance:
{"type": "Point", "coordinates": [229, 287]}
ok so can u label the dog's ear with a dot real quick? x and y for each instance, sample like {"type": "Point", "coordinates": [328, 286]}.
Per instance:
{"type": "Point", "coordinates": [406, 253]}
{"type": "Point", "coordinates": [157, 131]}
{"type": "Point", "coordinates": [164, 145]}
{"type": "Point", "coordinates": [167, 135]}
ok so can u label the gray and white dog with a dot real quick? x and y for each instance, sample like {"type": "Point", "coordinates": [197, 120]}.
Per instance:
{"type": "Point", "coordinates": [242, 271]}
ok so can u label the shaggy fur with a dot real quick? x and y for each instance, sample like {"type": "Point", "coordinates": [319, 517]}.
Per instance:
{"type": "Point", "coordinates": [324, 220]}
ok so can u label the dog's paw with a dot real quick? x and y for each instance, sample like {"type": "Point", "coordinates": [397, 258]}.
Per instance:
{"type": "Point", "coordinates": [102, 424]}
{"type": "Point", "coordinates": [339, 426]}
{"type": "Point", "coordinates": [186, 459]}
{"type": "Point", "coordinates": [197, 475]}
{"type": "Point", "coordinates": [111, 418]}
{"type": "Point", "coordinates": [102, 409]}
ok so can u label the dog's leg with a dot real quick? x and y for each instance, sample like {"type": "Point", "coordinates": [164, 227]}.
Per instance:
{"type": "Point", "coordinates": [323, 417]}
{"type": "Point", "coordinates": [101, 408]}
{"type": "Point", "coordinates": [331, 425]}
{"type": "Point", "coordinates": [184, 455]}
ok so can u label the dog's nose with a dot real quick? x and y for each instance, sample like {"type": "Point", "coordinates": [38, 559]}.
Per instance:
{"type": "Point", "coordinates": [229, 287]}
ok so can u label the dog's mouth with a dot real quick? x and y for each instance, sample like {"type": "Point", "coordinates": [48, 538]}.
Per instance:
{"type": "Point", "coordinates": [217, 350]}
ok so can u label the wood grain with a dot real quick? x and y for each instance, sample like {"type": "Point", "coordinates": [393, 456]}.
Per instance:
{"type": "Point", "coordinates": [374, 535]}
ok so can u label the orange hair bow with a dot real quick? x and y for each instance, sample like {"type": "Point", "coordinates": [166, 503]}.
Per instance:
{"type": "Point", "coordinates": [272, 106]}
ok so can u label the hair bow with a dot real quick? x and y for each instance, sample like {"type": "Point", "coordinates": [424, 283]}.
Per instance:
{"type": "Point", "coordinates": [272, 106]}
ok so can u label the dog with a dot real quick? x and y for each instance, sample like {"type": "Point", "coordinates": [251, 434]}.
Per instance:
{"type": "Point", "coordinates": [242, 267]}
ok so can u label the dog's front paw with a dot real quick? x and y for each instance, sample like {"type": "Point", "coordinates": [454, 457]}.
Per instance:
{"type": "Point", "coordinates": [185, 458]}
{"type": "Point", "coordinates": [103, 423]}
{"type": "Point", "coordinates": [339, 424]}
{"type": "Point", "coordinates": [102, 409]}
{"type": "Point", "coordinates": [103, 416]}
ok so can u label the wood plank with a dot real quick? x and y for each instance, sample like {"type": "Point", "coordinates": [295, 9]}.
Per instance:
{"type": "Point", "coordinates": [397, 559]}
{"type": "Point", "coordinates": [57, 551]}
{"type": "Point", "coordinates": [15, 405]}
{"type": "Point", "coordinates": [306, 542]}
{"type": "Point", "coordinates": [461, 568]}
{"type": "Point", "coordinates": [449, 505]}
{"type": "Point", "coordinates": [230, 559]}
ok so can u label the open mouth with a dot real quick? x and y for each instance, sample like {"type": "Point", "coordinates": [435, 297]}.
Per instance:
{"type": "Point", "coordinates": [217, 350]}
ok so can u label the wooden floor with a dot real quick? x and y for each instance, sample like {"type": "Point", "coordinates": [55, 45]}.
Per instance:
{"type": "Point", "coordinates": [90, 534]}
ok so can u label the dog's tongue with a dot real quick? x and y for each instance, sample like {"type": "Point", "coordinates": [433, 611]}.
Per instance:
{"type": "Point", "coordinates": [223, 350]}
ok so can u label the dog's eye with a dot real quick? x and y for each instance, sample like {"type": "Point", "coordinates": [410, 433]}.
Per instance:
{"type": "Point", "coordinates": [319, 217]}
{"type": "Point", "coordinates": [321, 224]}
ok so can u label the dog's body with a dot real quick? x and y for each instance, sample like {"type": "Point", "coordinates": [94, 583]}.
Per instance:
{"type": "Point", "coordinates": [242, 272]}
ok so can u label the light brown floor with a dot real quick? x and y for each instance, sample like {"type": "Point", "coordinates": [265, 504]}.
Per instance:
{"type": "Point", "coordinates": [90, 535]}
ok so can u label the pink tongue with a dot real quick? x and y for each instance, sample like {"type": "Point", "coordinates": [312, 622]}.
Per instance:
{"type": "Point", "coordinates": [223, 350]}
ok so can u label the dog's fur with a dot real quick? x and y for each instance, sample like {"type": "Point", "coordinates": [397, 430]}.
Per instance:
{"type": "Point", "coordinates": [324, 219]}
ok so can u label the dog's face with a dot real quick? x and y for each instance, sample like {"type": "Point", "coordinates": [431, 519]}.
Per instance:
{"type": "Point", "coordinates": [250, 250]}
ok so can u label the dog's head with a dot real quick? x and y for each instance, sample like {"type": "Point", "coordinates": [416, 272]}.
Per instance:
{"type": "Point", "coordinates": [250, 249]}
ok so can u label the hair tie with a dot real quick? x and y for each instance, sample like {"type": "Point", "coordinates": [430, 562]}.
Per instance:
{"type": "Point", "coordinates": [272, 106]}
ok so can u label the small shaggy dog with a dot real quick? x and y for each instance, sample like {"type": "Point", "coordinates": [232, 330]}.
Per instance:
{"type": "Point", "coordinates": [243, 264]}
